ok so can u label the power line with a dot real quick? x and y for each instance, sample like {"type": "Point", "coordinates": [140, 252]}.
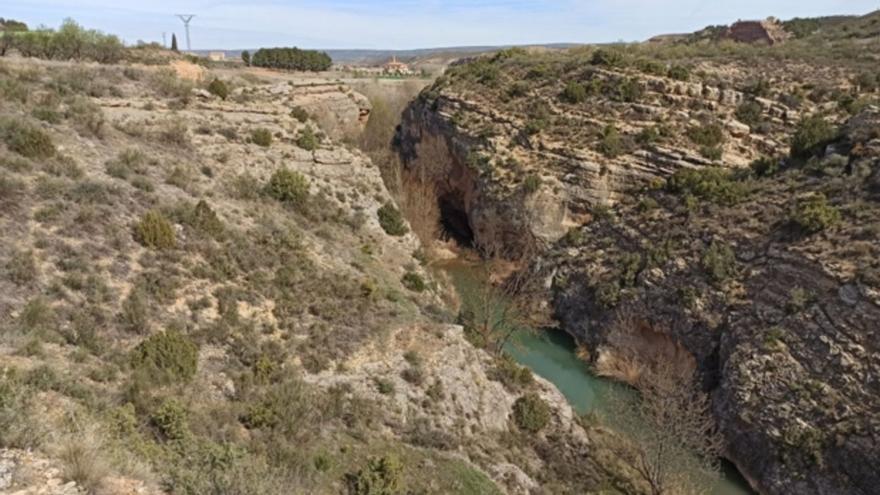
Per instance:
{"type": "Point", "coordinates": [186, 18]}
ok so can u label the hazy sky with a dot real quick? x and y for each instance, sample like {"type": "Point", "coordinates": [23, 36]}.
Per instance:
{"type": "Point", "coordinates": [410, 23]}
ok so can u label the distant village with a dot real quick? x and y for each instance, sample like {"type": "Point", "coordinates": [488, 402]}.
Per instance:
{"type": "Point", "coordinates": [393, 68]}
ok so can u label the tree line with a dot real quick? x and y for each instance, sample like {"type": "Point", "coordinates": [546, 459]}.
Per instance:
{"type": "Point", "coordinates": [69, 42]}
{"type": "Point", "coordinates": [291, 59]}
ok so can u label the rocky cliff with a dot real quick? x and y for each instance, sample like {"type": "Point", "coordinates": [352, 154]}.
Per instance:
{"type": "Point", "coordinates": [695, 196]}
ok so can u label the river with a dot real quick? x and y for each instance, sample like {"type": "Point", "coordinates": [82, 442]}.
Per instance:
{"type": "Point", "coordinates": [551, 355]}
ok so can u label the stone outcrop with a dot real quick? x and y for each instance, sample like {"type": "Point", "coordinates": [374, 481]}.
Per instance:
{"type": "Point", "coordinates": [781, 323]}
{"type": "Point", "coordinates": [787, 345]}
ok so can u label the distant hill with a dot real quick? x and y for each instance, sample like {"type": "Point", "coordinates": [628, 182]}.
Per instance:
{"type": "Point", "coordinates": [370, 57]}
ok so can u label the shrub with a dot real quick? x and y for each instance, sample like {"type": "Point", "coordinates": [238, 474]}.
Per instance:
{"type": "Point", "coordinates": [709, 135]}
{"type": "Point", "coordinates": [175, 132]}
{"type": "Point", "coordinates": [610, 144]}
{"type": "Point", "coordinates": [381, 476]}
{"type": "Point", "coordinates": [510, 374]}
{"type": "Point", "coordinates": [813, 213]}
{"type": "Point", "coordinates": [574, 93]}
{"type": "Point", "coordinates": [307, 139]}
{"type": "Point", "coordinates": [713, 153]}
{"type": "Point", "coordinates": [713, 184]}
{"type": "Point", "coordinates": [155, 231]}
{"type": "Point", "coordinates": [219, 89]}
{"type": "Point", "coordinates": [166, 83]}
{"type": "Point", "coordinates": [87, 117]}
{"type": "Point", "coordinates": [628, 90]}
{"type": "Point", "coordinates": [166, 357]}
{"type": "Point", "coordinates": [812, 134]}
{"type": "Point", "coordinates": [289, 187]}
{"type": "Point", "coordinates": [609, 58]}
{"type": "Point", "coordinates": [384, 386]}
{"type": "Point", "coordinates": [204, 219]}
{"type": "Point", "coordinates": [261, 137]}
{"type": "Point", "coordinates": [300, 114]}
{"type": "Point", "coordinates": [21, 268]}
{"type": "Point", "coordinates": [27, 140]}
{"type": "Point", "coordinates": [765, 166]}
{"type": "Point", "coordinates": [750, 113]}
{"type": "Point", "coordinates": [531, 183]}
{"type": "Point", "coordinates": [679, 73]}
{"type": "Point", "coordinates": [133, 316]}
{"type": "Point", "coordinates": [531, 413]}
{"type": "Point", "coordinates": [414, 282]}
{"type": "Point", "coordinates": [391, 220]}
{"type": "Point", "coordinates": [719, 262]}
{"type": "Point", "coordinates": [171, 420]}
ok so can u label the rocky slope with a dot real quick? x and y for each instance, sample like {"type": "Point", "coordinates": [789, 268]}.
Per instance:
{"type": "Point", "coordinates": [202, 295]}
{"type": "Point", "coordinates": [631, 166]}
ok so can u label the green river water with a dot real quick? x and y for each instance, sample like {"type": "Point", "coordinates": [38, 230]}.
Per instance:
{"type": "Point", "coordinates": [551, 355]}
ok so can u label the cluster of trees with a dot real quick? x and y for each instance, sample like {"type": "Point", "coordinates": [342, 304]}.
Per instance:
{"type": "Point", "coordinates": [70, 41]}
{"type": "Point", "coordinates": [291, 59]}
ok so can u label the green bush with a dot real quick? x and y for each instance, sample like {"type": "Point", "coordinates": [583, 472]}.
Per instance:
{"type": "Point", "coordinates": [812, 134]}
{"type": "Point", "coordinates": [531, 413]}
{"type": "Point", "coordinates": [261, 137]}
{"type": "Point", "coordinates": [531, 183]}
{"type": "Point", "coordinates": [155, 231]}
{"type": "Point", "coordinates": [166, 357]}
{"type": "Point", "coordinates": [610, 143]}
{"type": "Point", "coordinates": [813, 213]}
{"type": "Point", "coordinates": [679, 73]}
{"type": "Point", "coordinates": [628, 90]}
{"type": "Point", "coordinates": [300, 114]}
{"type": "Point", "coordinates": [713, 184]}
{"type": "Point", "coordinates": [750, 113]}
{"type": "Point", "coordinates": [205, 219]}
{"type": "Point", "coordinates": [510, 374]}
{"type": "Point", "coordinates": [765, 166]}
{"type": "Point", "coordinates": [709, 135]}
{"type": "Point", "coordinates": [574, 93]}
{"type": "Point", "coordinates": [27, 140]}
{"type": "Point", "coordinates": [219, 89]}
{"type": "Point", "coordinates": [289, 187]}
{"type": "Point", "coordinates": [611, 58]}
{"type": "Point", "coordinates": [391, 220]}
{"type": "Point", "coordinates": [414, 282]}
{"type": "Point", "coordinates": [171, 420]}
{"type": "Point", "coordinates": [307, 139]}
{"type": "Point", "coordinates": [381, 476]}
{"type": "Point", "coordinates": [719, 262]}
{"type": "Point", "coordinates": [70, 41]}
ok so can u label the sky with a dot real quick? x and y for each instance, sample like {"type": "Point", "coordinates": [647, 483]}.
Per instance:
{"type": "Point", "coordinates": [407, 24]}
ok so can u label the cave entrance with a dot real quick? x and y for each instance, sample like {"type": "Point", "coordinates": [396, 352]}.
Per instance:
{"type": "Point", "coordinates": [454, 220]}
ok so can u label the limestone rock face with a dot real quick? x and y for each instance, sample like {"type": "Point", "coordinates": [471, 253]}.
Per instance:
{"type": "Point", "coordinates": [780, 321]}
{"type": "Point", "coordinates": [486, 155]}
{"type": "Point", "coordinates": [787, 345]}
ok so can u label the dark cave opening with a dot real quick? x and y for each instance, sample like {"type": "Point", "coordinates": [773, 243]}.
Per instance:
{"type": "Point", "coordinates": [455, 222]}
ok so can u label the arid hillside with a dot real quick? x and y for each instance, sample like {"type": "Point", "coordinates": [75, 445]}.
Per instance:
{"type": "Point", "coordinates": [202, 292]}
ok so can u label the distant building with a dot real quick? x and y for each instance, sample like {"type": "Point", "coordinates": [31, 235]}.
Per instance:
{"type": "Point", "coordinates": [217, 56]}
{"type": "Point", "coordinates": [396, 67]}
{"type": "Point", "coordinates": [768, 31]}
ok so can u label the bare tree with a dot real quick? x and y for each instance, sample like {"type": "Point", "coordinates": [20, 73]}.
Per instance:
{"type": "Point", "coordinates": [493, 311]}
{"type": "Point", "coordinates": [671, 440]}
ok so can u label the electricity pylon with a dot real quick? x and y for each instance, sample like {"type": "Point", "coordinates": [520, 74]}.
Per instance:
{"type": "Point", "coordinates": [186, 18]}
